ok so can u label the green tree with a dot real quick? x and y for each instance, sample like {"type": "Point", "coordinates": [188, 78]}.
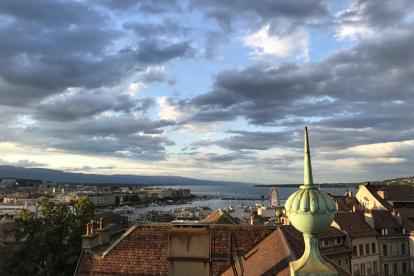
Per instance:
{"type": "Point", "coordinates": [52, 240]}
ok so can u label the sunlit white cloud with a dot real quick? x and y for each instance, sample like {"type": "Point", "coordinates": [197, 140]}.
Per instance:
{"type": "Point", "coordinates": [263, 42]}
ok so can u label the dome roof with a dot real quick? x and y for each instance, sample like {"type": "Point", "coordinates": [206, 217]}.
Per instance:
{"type": "Point", "coordinates": [310, 200]}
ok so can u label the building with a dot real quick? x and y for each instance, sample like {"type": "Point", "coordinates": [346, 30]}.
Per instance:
{"type": "Point", "coordinates": [397, 201]}
{"type": "Point", "coordinates": [393, 242]}
{"type": "Point", "coordinates": [194, 249]}
{"type": "Point", "coordinates": [12, 211]}
{"type": "Point", "coordinates": [347, 203]}
{"type": "Point", "coordinates": [8, 182]}
{"type": "Point", "coordinates": [22, 198]}
{"type": "Point", "coordinates": [101, 199]}
{"type": "Point", "coordinates": [365, 251]}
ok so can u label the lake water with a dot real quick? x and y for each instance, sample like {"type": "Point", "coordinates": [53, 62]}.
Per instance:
{"type": "Point", "coordinates": [231, 190]}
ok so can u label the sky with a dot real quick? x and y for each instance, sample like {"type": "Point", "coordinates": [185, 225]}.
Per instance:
{"type": "Point", "coordinates": [214, 89]}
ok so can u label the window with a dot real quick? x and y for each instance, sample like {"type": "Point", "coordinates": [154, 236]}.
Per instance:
{"type": "Point", "coordinates": [373, 248]}
{"type": "Point", "coordinates": [362, 269]}
{"type": "Point", "coordinates": [356, 270]}
{"type": "Point", "coordinates": [386, 271]}
{"type": "Point", "coordinates": [339, 262]}
{"type": "Point", "coordinates": [384, 250]}
{"type": "Point", "coordinates": [338, 240]}
{"type": "Point", "coordinates": [395, 268]}
{"type": "Point", "coordinates": [325, 243]}
{"type": "Point", "coordinates": [394, 250]}
{"type": "Point", "coordinates": [354, 250]}
{"type": "Point", "coordinates": [361, 249]}
{"type": "Point", "coordinates": [403, 252]}
{"type": "Point", "coordinates": [346, 260]}
{"type": "Point", "coordinates": [375, 266]}
{"type": "Point", "coordinates": [369, 268]}
{"type": "Point", "coordinates": [367, 249]}
{"type": "Point", "coordinates": [404, 268]}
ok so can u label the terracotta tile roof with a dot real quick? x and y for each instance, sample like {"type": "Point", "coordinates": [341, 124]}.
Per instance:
{"type": "Point", "coordinates": [270, 257]}
{"type": "Point", "coordinates": [353, 223]}
{"type": "Point", "coordinates": [220, 217]}
{"type": "Point", "coordinates": [395, 193]}
{"type": "Point", "coordinates": [240, 238]}
{"type": "Point", "coordinates": [143, 250]}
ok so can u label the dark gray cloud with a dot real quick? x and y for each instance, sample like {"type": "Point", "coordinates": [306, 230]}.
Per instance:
{"type": "Point", "coordinates": [51, 12]}
{"type": "Point", "coordinates": [297, 12]}
{"type": "Point", "coordinates": [376, 14]}
{"type": "Point", "coordinates": [52, 45]}
{"type": "Point", "coordinates": [72, 106]}
{"type": "Point", "coordinates": [255, 140]}
{"type": "Point", "coordinates": [144, 6]}
{"type": "Point", "coordinates": [121, 136]}
{"type": "Point", "coordinates": [168, 27]}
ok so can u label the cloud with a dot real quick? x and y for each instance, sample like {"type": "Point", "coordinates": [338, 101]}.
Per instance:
{"type": "Point", "coordinates": [365, 18]}
{"type": "Point", "coordinates": [171, 111]}
{"type": "Point", "coordinates": [225, 13]}
{"type": "Point", "coordinates": [264, 43]}
{"type": "Point", "coordinates": [248, 140]}
{"type": "Point", "coordinates": [23, 163]}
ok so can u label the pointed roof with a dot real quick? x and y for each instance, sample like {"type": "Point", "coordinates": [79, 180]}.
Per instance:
{"type": "Point", "coordinates": [220, 217]}
{"type": "Point", "coordinates": [307, 166]}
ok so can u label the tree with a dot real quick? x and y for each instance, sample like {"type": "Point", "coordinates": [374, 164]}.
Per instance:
{"type": "Point", "coordinates": [52, 240]}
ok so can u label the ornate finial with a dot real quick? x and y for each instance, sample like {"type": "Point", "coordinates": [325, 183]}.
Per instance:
{"type": "Point", "coordinates": [311, 212]}
{"type": "Point", "coordinates": [307, 166]}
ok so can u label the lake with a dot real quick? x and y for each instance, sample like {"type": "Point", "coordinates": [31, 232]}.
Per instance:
{"type": "Point", "coordinates": [230, 190]}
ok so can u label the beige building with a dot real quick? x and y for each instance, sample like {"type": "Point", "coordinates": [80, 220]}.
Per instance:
{"type": "Point", "coordinates": [395, 223]}
{"type": "Point", "coordinates": [365, 253]}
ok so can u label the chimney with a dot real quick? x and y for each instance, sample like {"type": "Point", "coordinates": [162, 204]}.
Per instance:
{"type": "Point", "coordinates": [103, 231]}
{"type": "Point", "coordinates": [90, 239]}
{"type": "Point", "coordinates": [397, 216]}
{"type": "Point", "coordinates": [101, 223]}
{"type": "Point", "coordinates": [382, 194]}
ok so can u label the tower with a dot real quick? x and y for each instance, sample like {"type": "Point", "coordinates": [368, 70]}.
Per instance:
{"type": "Point", "coordinates": [310, 211]}
{"type": "Point", "coordinates": [273, 197]}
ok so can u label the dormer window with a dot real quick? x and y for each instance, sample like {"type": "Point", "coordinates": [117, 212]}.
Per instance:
{"type": "Point", "coordinates": [403, 231]}
{"type": "Point", "coordinates": [384, 232]}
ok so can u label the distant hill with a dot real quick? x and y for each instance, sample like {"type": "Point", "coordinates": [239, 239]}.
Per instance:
{"type": "Point", "coordinates": [68, 177]}
{"type": "Point", "coordinates": [398, 181]}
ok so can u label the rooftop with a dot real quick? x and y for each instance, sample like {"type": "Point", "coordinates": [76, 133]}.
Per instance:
{"type": "Point", "coordinates": [353, 223]}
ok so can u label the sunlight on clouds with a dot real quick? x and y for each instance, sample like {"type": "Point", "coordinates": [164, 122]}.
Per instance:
{"type": "Point", "coordinates": [352, 32]}
{"type": "Point", "coordinates": [264, 43]}
{"type": "Point", "coordinates": [171, 112]}
{"type": "Point", "coordinates": [136, 87]}
{"type": "Point", "coordinates": [382, 149]}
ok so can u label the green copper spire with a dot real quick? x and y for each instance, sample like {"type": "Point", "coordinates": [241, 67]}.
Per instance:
{"type": "Point", "coordinates": [307, 165]}
{"type": "Point", "coordinates": [311, 212]}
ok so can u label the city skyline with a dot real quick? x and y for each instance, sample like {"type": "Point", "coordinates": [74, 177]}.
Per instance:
{"type": "Point", "coordinates": [209, 89]}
